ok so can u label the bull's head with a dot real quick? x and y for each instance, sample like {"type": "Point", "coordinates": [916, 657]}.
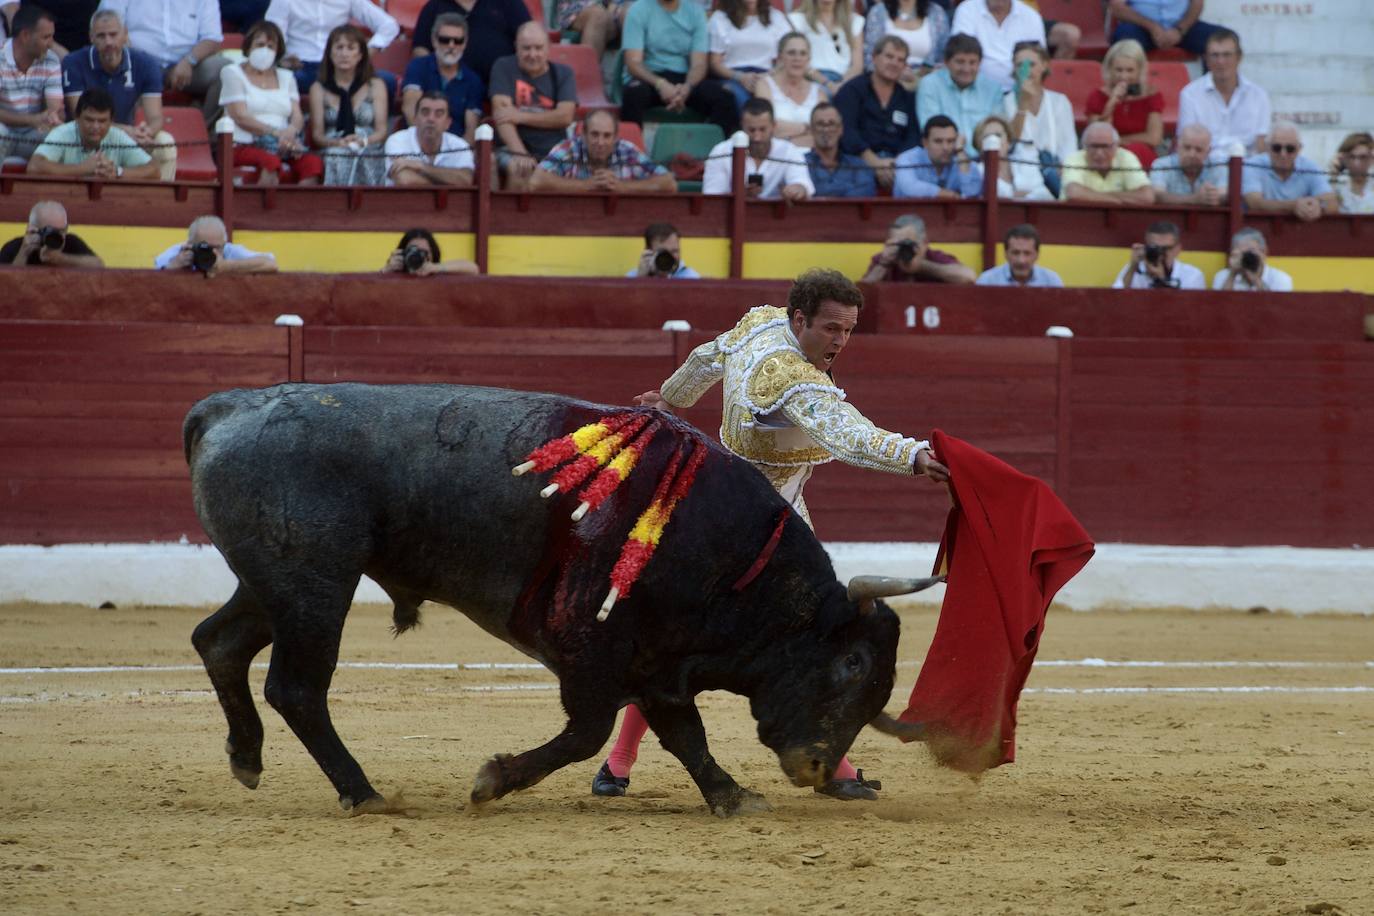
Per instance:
{"type": "Point", "coordinates": [837, 679]}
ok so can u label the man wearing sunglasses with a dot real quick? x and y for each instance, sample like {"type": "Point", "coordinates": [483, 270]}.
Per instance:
{"type": "Point", "coordinates": [444, 71]}
{"type": "Point", "coordinates": [1234, 109]}
{"type": "Point", "coordinates": [1283, 181]}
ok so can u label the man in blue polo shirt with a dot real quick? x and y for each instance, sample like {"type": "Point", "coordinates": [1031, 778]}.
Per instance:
{"type": "Point", "coordinates": [444, 71]}
{"type": "Point", "coordinates": [133, 80]}
{"type": "Point", "coordinates": [1283, 181]}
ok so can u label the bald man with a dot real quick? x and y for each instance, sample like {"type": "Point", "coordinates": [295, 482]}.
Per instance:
{"type": "Point", "coordinates": [1284, 181]}
{"type": "Point", "coordinates": [46, 242]}
{"type": "Point", "coordinates": [1102, 172]}
{"type": "Point", "coordinates": [532, 103]}
{"type": "Point", "coordinates": [1194, 174]}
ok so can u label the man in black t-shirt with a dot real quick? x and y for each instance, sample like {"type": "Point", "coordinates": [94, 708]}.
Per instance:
{"type": "Point", "coordinates": [40, 245]}
{"type": "Point", "coordinates": [532, 103]}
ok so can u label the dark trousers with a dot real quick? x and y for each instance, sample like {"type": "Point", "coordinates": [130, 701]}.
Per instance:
{"type": "Point", "coordinates": [710, 98]}
{"type": "Point", "coordinates": [1194, 40]}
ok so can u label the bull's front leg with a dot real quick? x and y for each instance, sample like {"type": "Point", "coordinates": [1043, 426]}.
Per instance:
{"type": "Point", "coordinates": [588, 728]}
{"type": "Point", "coordinates": [681, 733]}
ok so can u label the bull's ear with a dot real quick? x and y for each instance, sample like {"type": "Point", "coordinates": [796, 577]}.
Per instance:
{"type": "Point", "coordinates": [863, 588]}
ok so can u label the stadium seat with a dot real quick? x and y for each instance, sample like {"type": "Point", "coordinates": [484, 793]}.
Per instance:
{"type": "Point", "coordinates": [406, 12]}
{"type": "Point", "coordinates": [591, 91]}
{"type": "Point", "coordinates": [536, 8]}
{"type": "Point", "coordinates": [1076, 79]}
{"type": "Point", "coordinates": [695, 140]}
{"type": "Point", "coordinates": [1091, 18]}
{"type": "Point", "coordinates": [1169, 78]}
{"type": "Point", "coordinates": [395, 57]}
{"type": "Point", "coordinates": [194, 159]}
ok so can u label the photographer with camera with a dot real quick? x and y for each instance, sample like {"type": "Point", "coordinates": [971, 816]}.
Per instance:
{"type": "Point", "coordinates": [208, 251]}
{"type": "Point", "coordinates": [662, 255]}
{"type": "Point", "coordinates": [908, 257]}
{"type": "Point", "coordinates": [46, 241]}
{"type": "Point", "coordinates": [1155, 264]}
{"type": "Point", "coordinates": [1248, 268]}
{"type": "Point", "coordinates": [418, 255]}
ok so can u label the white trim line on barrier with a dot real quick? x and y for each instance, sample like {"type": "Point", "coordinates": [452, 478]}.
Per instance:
{"type": "Point", "coordinates": [1120, 576]}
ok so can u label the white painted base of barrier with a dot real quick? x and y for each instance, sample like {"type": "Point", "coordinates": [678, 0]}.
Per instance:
{"type": "Point", "coordinates": [1120, 576]}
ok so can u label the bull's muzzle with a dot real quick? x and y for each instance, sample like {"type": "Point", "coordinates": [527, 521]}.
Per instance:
{"type": "Point", "coordinates": [805, 767]}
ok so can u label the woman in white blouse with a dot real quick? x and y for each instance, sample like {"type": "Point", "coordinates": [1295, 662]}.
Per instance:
{"type": "Point", "coordinates": [835, 34]}
{"type": "Point", "coordinates": [265, 105]}
{"type": "Point", "coordinates": [922, 24]}
{"type": "Point", "coordinates": [791, 91]}
{"type": "Point", "coordinates": [1018, 170]}
{"type": "Point", "coordinates": [1041, 119]}
{"type": "Point", "coordinates": [744, 38]}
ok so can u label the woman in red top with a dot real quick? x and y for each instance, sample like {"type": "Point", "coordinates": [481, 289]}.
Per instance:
{"type": "Point", "coordinates": [1128, 103]}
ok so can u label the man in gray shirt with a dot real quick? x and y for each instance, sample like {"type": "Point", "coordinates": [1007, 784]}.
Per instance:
{"type": "Point", "coordinates": [1022, 246]}
{"type": "Point", "coordinates": [532, 103]}
{"type": "Point", "coordinates": [1194, 174]}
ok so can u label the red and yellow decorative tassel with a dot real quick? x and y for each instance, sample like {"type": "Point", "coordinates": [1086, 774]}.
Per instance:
{"type": "Point", "coordinates": [553, 453]}
{"type": "Point", "coordinates": [605, 483]}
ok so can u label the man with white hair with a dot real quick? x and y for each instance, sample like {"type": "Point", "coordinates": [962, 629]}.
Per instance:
{"type": "Point", "coordinates": [1103, 172]}
{"type": "Point", "coordinates": [207, 249]}
{"type": "Point", "coordinates": [47, 242]}
{"type": "Point", "coordinates": [1194, 174]}
{"type": "Point", "coordinates": [1283, 181]}
{"type": "Point", "coordinates": [1248, 268]}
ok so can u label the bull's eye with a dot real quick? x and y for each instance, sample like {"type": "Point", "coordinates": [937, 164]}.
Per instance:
{"type": "Point", "coordinates": [854, 661]}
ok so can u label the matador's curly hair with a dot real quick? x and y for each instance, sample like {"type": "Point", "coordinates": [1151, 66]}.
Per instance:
{"type": "Point", "coordinates": [821, 284]}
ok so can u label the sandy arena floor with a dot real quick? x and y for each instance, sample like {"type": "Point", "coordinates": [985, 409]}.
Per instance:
{"type": "Point", "coordinates": [1251, 796]}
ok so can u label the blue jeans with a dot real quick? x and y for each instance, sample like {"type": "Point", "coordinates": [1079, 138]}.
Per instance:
{"type": "Point", "coordinates": [1194, 40]}
{"type": "Point", "coordinates": [310, 71]}
{"type": "Point", "coordinates": [741, 94]}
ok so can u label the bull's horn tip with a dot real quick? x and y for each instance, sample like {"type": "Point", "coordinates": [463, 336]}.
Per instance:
{"type": "Point", "coordinates": [522, 469]}
{"type": "Point", "coordinates": [549, 490]}
{"type": "Point", "coordinates": [606, 605]}
{"type": "Point", "coordinates": [581, 511]}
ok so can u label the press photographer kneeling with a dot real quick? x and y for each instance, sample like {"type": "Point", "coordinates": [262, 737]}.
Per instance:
{"type": "Point", "coordinates": [1155, 264]}
{"type": "Point", "coordinates": [662, 255]}
{"type": "Point", "coordinates": [418, 254]}
{"type": "Point", "coordinates": [208, 251]}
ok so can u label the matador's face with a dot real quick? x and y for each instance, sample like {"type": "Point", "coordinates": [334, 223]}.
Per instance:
{"type": "Point", "coordinates": [824, 336]}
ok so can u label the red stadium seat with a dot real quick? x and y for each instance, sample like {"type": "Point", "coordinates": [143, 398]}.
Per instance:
{"type": "Point", "coordinates": [1169, 78]}
{"type": "Point", "coordinates": [1076, 79]}
{"type": "Point", "coordinates": [536, 8]}
{"type": "Point", "coordinates": [1090, 17]}
{"type": "Point", "coordinates": [233, 41]}
{"type": "Point", "coordinates": [395, 57]}
{"type": "Point", "coordinates": [406, 12]}
{"type": "Point", "coordinates": [194, 161]}
{"type": "Point", "coordinates": [591, 88]}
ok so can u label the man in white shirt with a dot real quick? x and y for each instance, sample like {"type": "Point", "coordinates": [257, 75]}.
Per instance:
{"type": "Point", "coordinates": [1155, 264]}
{"type": "Point", "coordinates": [427, 154]}
{"type": "Point", "coordinates": [1234, 109]}
{"type": "Point", "coordinates": [1022, 246]}
{"type": "Point", "coordinates": [185, 38]}
{"type": "Point", "coordinates": [307, 24]}
{"type": "Point", "coordinates": [998, 25]}
{"type": "Point", "coordinates": [1248, 268]}
{"type": "Point", "coordinates": [207, 238]}
{"type": "Point", "coordinates": [773, 168]}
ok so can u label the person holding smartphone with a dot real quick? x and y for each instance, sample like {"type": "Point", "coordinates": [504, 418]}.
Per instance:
{"type": "Point", "coordinates": [1128, 103]}
{"type": "Point", "coordinates": [775, 169]}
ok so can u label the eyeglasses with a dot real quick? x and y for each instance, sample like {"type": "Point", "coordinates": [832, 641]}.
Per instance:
{"type": "Point", "coordinates": [451, 40]}
{"type": "Point", "coordinates": [1289, 148]}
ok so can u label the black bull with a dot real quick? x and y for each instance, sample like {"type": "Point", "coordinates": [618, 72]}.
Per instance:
{"type": "Point", "coordinates": [304, 488]}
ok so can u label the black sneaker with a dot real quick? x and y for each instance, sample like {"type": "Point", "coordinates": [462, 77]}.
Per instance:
{"type": "Point", "coordinates": [858, 789]}
{"type": "Point", "coordinates": [608, 784]}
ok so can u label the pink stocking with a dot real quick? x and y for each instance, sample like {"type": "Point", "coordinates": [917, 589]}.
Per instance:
{"type": "Point", "coordinates": [846, 769]}
{"type": "Point", "coordinates": [626, 748]}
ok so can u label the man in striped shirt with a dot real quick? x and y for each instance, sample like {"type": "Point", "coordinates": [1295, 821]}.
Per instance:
{"type": "Point", "coordinates": [30, 83]}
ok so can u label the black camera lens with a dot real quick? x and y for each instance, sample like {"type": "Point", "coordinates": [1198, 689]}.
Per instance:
{"type": "Point", "coordinates": [1154, 254]}
{"type": "Point", "coordinates": [1250, 261]}
{"type": "Point", "coordinates": [664, 261]}
{"type": "Point", "coordinates": [414, 258]}
{"type": "Point", "coordinates": [906, 251]}
{"type": "Point", "coordinates": [50, 237]}
{"type": "Point", "coordinates": [203, 257]}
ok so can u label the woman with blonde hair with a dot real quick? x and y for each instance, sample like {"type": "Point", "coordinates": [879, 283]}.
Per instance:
{"type": "Point", "coordinates": [1351, 181]}
{"type": "Point", "coordinates": [1018, 168]}
{"type": "Point", "coordinates": [791, 91]}
{"type": "Point", "coordinates": [835, 34]}
{"type": "Point", "coordinates": [1127, 103]}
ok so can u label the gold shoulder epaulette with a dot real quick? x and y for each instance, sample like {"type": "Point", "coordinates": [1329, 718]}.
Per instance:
{"type": "Point", "coordinates": [755, 320]}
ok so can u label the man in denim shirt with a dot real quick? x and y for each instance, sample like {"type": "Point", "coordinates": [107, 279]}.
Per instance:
{"type": "Point", "coordinates": [938, 169]}
{"type": "Point", "coordinates": [835, 173]}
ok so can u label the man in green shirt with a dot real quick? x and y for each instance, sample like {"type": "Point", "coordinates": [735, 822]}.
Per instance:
{"type": "Point", "coordinates": [665, 43]}
{"type": "Point", "coordinates": [91, 147]}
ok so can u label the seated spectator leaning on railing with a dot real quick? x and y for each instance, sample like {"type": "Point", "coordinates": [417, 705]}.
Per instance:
{"type": "Point", "coordinates": [1351, 168]}
{"type": "Point", "coordinates": [418, 255]}
{"type": "Point", "coordinates": [30, 83]}
{"type": "Point", "coordinates": [1247, 267]}
{"type": "Point", "coordinates": [999, 25]}
{"type": "Point", "coordinates": [1283, 181]}
{"type": "Point", "coordinates": [91, 146]}
{"type": "Point", "coordinates": [264, 103]}
{"type": "Point", "coordinates": [48, 242]}
{"type": "Point", "coordinates": [1155, 264]}
{"type": "Point", "coordinates": [427, 154]}
{"type": "Point", "coordinates": [491, 29]}
{"type": "Point", "coordinates": [940, 168]}
{"type": "Point", "coordinates": [906, 256]}
{"type": "Point", "coordinates": [1193, 175]}
{"type": "Point", "coordinates": [133, 80]}
{"type": "Point", "coordinates": [207, 250]}
{"type": "Point", "coordinates": [1234, 109]}
{"type": "Point", "coordinates": [1161, 24]}
{"type": "Point", "coordinates": [444, 71]}
{"type": "Point", "coordinates": [349, 134]}
{"type": "Point", "coordinates": [773, 168]}
{"type": "Point", "coordinates": [1103, 172]}
{"type": "Point", "coordinates": [185, 38]}
{"type": "Point", "coordinates": [665, 44]}
{"type": "Point", "coordinates": [835, 173]}
{"type": "Point", "coordinates": [879, 115]}
{"type": "Point", "coordinates": [1022, 246]}
{"type": "Point", "coordinates": [960, 91]}
{"type": "Point", "coordinates": [599, 161]}
{"type": "Point", "coordinates": [1128, 103]}
{"type": "Point", "coordinates": [532, 103]}
{"type": "Point", "coordinates": [307, 24]}
{"type": "Point", "coordinates": [662, 255]}
{"type": "Point", "coordinates": [1019, 176]}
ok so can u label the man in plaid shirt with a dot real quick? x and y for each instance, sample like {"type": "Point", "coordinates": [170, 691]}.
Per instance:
{"type": "Point", "coordinates": [599, 161]}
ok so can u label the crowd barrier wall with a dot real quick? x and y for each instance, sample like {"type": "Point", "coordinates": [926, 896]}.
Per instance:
{"type": "Point", "coordinates": [1190, 442]}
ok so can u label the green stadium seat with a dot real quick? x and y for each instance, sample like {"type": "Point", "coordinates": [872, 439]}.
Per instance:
{"type": "Point", "coordinates": [695, 140]}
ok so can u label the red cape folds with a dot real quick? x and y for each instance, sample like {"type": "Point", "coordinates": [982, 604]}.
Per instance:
{"type": "Point", "coordinates": [1009, 546]}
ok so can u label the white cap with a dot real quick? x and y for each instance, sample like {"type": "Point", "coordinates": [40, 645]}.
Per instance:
{"type": "Point", "coordinates": [677, 324]}
{"type": "Point", "coordinates": [483, 132]}
{"type": "Point", "coordinates": [224, 125]}
{"type": "Point", "coordinates": [289, 321]}
{"type": "Point", "coordinates": [992, 143]}
{"type": "Point", "coordinates": [1058, 330]}
{"type": "Point", "coordinates": [739, 139]}
{"type": "Point", "coordinates": [1235, 150]}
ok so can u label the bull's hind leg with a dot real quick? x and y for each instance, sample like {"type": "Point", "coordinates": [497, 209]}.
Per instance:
{"type": "Point", "coordinates": [681, 733]}
{"type": "Point", "coordinates": [227, 641]}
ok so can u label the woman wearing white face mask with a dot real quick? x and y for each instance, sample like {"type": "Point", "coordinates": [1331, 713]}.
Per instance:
{"type": "Point", "coordinates": [265, 105]}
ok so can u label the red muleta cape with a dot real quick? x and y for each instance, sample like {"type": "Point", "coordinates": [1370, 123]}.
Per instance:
{"type": "Point", "coordinates": [1009, 546]}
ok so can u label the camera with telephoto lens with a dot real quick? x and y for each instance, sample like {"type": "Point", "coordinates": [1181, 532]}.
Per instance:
{"type": "Point", "coordinates": [1154, 254]}
{"type": "Point", "coordinates": [1250, 262]}
{"type": "Point", "coordinates": [414, 258]}
{"type": "Point", "coordinates": [906, 251]}
{"type": "Point", "coordinates": [51, 237]}
{"type": "Point", "coordinates": [665, 262]}
{"type": "Point", "coordinates": [203, 257]}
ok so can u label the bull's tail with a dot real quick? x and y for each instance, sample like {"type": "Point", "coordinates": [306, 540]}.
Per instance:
{"type": "Point", "coordinates": [202, 416]}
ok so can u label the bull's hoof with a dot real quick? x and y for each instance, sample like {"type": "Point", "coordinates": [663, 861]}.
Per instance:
{"type": "Point", "coordinates": [491, 780]}
{"type": "Point", "coordinates": [745, 801]}
{"type": "Point", "coordinates": [246, 769]}
{"type": "Point", "coordinates": [373, 804]}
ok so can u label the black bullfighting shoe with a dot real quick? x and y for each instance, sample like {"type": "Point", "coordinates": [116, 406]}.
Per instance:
{"type": "Point", "coordinates": [608, 784]}
{"type": "Point", "coordinates": [858, 789]}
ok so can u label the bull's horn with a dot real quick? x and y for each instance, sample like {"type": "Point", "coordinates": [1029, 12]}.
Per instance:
{"type": "Point", "coordinates": [911, 731]}
{"type": "Point", "coordinates": [866, 587]}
